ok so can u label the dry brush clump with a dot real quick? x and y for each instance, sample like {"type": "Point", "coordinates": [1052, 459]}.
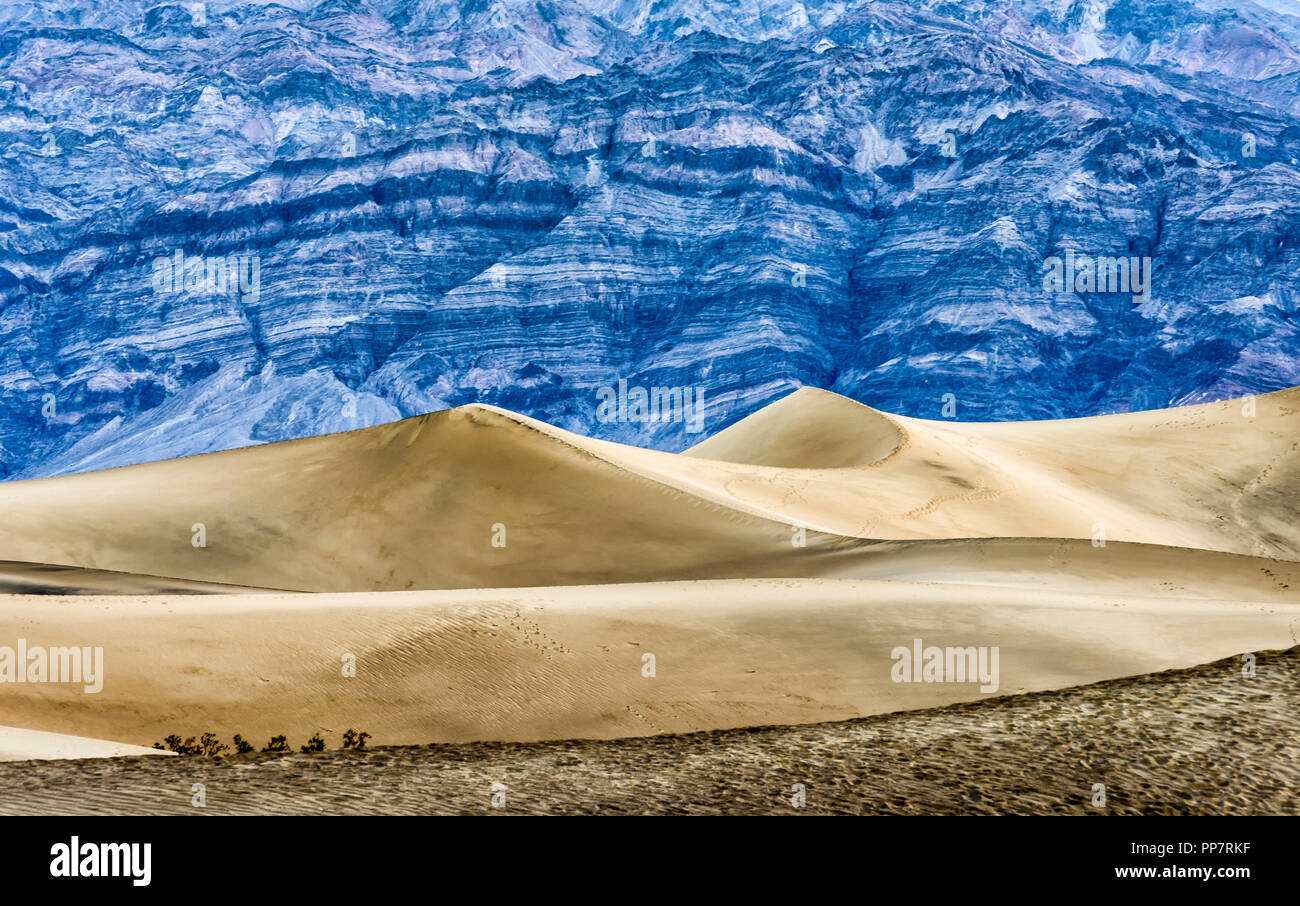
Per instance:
{"type": "Point", "coordinates": [209, 745]}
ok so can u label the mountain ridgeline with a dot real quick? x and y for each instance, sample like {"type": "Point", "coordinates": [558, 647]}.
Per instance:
{"type": "Point", "coordinates": [224, 224]}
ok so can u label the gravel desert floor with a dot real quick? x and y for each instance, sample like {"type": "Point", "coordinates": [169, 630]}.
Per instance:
{"type": "Point", "coordinates": [1205, 741]}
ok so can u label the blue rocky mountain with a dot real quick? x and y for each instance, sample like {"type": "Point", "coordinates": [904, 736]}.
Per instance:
{"type": "Point", "coordinates": [229, 223]}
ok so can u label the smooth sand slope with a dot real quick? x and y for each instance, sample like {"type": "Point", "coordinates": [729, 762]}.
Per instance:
{"type": "Point", "coordinates": [553, 663]}
{"type": "Point", "coordinates": [17, 744]}
{"type": "Point", "coordinates": [771, 570]}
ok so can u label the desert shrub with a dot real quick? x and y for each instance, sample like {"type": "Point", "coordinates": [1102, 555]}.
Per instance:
{"type": "Point", "coordinates": [174, 743]}
{"type": "Point", "coordinates": [354, 740]}
{"type": "Point", "coordinates": [211, 746]}
{"type": "Point", "coordinates": [277, 744]}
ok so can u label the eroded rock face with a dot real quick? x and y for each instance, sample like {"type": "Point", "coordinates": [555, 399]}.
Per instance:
{"type": "Point", "coordinates": [522, 204]}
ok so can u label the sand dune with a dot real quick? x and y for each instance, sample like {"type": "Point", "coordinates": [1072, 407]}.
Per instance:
{"type": "Point", "coordinates": [548, 663]}
{"type": "Point", "coordinates": [411, 504]}
{"type": "Point", "coordinates": [809, 429]}
{"type": "Point", "coordinates": [1210, 477]}
{"type": "Point", "coordinates": [419, 503]}
{"type": "Point", "coordinates": [499, 578]}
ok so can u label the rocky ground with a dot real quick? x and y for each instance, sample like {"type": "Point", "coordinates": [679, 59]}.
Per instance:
{"type": "Point", "coordinates": [1199, 741]}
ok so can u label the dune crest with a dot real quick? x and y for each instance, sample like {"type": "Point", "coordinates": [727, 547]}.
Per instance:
{"type": "Point", "coordinates": [809, 429]}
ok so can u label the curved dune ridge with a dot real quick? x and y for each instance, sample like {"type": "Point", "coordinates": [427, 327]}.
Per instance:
{"type": "Point", "coordinates": [809, 429]}
{"type": "Point", "coordinates": [770, 570]}
{"type": "Point", "coordinates": [44, 579]}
